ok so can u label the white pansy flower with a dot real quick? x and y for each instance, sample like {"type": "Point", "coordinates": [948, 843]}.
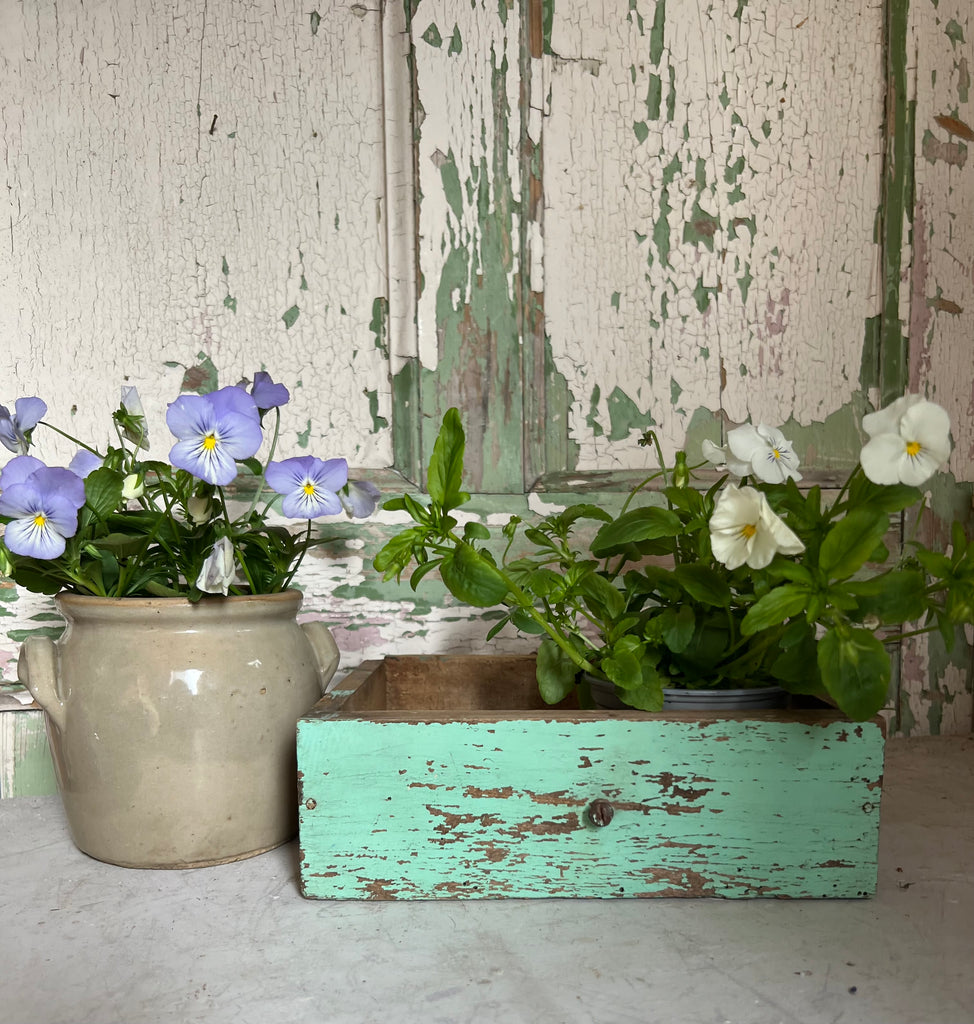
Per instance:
{"type": "Point", "coordinates": [766, 450]}
{"type": "Point", "coordinates": [218, 570]}
{"type": "Point", "coordinates": [908, 442]}
{"type": "Point", "coordinates": [721, 457]}
{"type": "Point", "coordinates": [744, 530]}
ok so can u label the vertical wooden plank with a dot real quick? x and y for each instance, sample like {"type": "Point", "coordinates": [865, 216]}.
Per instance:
{"type": "Point", "coordinates": [938, 298]}
{"type": "Point", "coordinates": [26, 768]}
{"type": "Point", "coordinates": [467, 61]}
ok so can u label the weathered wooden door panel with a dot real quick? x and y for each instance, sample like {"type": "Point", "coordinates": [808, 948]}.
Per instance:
{"type": "Point", "coordinates": [712, 181]}
{"type": "Point", "coordinates": [196, 188]}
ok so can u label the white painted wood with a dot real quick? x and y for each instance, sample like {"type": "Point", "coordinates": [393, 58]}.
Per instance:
{"type": "Point", "coordinates": [941, 286]}
{"type": "Point", "coordinates": [768, 138]}
{"type": "Point", "coordinates": [180, 176]}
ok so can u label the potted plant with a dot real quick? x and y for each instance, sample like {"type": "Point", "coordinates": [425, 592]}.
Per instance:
{"type": "Point", "coordinates": [171, 698]}
{"type": "Point", "coordinates": [746, 582]}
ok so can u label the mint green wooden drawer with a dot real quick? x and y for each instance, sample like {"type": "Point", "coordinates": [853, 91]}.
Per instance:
{"type": "Point", "coordinates": [447, 777]}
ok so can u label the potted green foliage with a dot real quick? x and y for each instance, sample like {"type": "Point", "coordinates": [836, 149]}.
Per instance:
{"type": "Point", "coordinates": [172, 696]}
{"type": "Point", "coordinates": [746, 581]}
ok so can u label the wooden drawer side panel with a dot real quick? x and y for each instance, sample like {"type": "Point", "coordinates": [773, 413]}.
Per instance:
{"type": "Point", "coordinates": [393, 810]}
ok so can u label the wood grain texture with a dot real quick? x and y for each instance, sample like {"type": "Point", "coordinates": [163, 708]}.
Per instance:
{"type": "Point", "coordinates": [403, 801]}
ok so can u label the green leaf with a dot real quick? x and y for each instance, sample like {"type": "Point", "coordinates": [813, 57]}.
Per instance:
{"type": "Point", "coordinates": [524, 623]}
{"type": "Point", "coordinates": [797, 665]}
{"type": "Point", "coordinates": [893, 597]}
{"type": "Point", "coordinates": [703, 584]}
{"type": "Point", "coordinates": [855, 671]}
{"type": "Point", "coordinates": [475, 531]}
{"type": "Point", "coordinates": [103, 491]}
{"type": "Point", "coordinates": [398, 552]}
{"type": "Point", "coordinates": [569, 516]}
{"type": "Point", "coordinates": [120, 544]}
{"type": "Point", "coordinates": [777, 605]}
{"type": "Point", "coordinates": [472, 578]}
{"type": "Point", "coordinates": [641, 524]}
{"type": "Point", "coordinates": [423, 570]}
{"type": "Point", "coordinates": [849, 544]}
{"type": "Point", "coordinates": [624, 665]}
{"type": "Point", "coordinates": [445, 474]}
{"type": "Point", "coordinates": [544, 583]}
{"type": "Point", "coordinates": [935, 563]}
{"type": "Point", "coordinates": [555, 672]}
{"type": "Point", "coordinates": [648, 696]}
{"type": "Point", "coordinates": [678, 625]}
{"type": "Point", "coordinates": [603, 599]}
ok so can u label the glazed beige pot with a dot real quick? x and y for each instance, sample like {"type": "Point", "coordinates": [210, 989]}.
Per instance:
{"type": "Point", "coordinates": [172, 725]}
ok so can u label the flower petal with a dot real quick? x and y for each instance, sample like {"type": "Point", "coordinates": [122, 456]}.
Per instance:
{"type": "Point", "coordinates": [267, 394]}
{"type": "Point", "coordinates": [17, 470]}
{"type": "Point", "coordinates": [361, 499]}
{"type": "Point", "coordinates": [233, 399]}
{"type": "Point", "coordinates": [25, 537]}
{"type": "Point", "coordinates": [288, 474]}
{"type": "Point", "coordinates": [880, 457]}
{"type": "Point", "coordinates": [887, 421]}
{"type": "Point", "coordinates": [29, 412]}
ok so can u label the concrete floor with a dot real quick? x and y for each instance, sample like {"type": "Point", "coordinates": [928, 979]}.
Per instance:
{"type": "Point", "coordinates": [84, 942]}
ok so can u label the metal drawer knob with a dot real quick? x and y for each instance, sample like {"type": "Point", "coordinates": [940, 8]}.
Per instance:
{"type": "Point", "coordinates": [600, 812]}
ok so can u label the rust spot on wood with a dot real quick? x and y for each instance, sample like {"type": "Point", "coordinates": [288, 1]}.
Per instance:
{"type": "Point", "coordinates": [559, 826]}
{"type": "Point", "coordinates": [377, 889]}
{"type": "Point", "coordinates": [942, 305]}
{"type": "Point", "coordinates": [452, 821]}
{"type": "Point", "coordinates": [681, 882]}
{"type": "Point", "coordinates": [559, 797]}
{"type": "Point", "coordinates": [955, 126]}
{"type": "Point", "coordinates": [502, 793]}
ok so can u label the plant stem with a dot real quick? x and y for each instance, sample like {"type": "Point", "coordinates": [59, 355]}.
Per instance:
{"type": "Point", "coordinates": [299, 559]}
{"type": "Point", "coordinates": [70, 437]}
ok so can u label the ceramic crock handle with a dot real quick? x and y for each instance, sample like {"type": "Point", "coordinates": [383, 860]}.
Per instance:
{"type": "Point", "coordinates": [37, 670]}
{"type": "Point", "coordinates": [325, 648]}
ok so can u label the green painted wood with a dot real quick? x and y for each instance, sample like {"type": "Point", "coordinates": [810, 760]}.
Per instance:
{"type": "Point", "coordinates": [432, 803]}
{"type": "Point", "coordinates": [26, 768]}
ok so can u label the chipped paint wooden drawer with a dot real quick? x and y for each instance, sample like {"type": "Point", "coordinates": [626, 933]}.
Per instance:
{"type": "Point", "coordinates": [433, 777]}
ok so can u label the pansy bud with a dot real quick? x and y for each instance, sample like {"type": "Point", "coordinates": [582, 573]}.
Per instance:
{"type": "Point", "coordinates": [133, 486]}
{"type": "Point", "coordinates": [199, 509]}
{"type": "Point", "coordinates": [218, 570]}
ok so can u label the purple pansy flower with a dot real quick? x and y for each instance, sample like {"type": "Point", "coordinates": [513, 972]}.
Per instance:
{"type": "Point", "coordinates": [310, 486]}
{"type": "Point", "coordinates": [266, 393]}
{"type": "Point", "coordinates": [43, 504]}
{"type": "Point", "coordinates": [213, 432]}
{"type": "Point", "coordinates": [14, 429]}
{"type": "Point", "coordinates": [360, 500]}
{"type": "Point", "coordinates": [84, 462]}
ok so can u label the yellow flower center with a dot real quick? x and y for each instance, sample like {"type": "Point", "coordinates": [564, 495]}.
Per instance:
{"type": "Point", "coordinates": [748, 530]}
{"type": "Point", "coordinates": [309, 489]}
{"type": "Point", "coordinates": [776, 453]}
{"type": "Point", "coordinates": [40, 520]}
{"type": "Point", "coordinates": [913, 448]}
{"type": "Point", "coordinates": [209, 442]}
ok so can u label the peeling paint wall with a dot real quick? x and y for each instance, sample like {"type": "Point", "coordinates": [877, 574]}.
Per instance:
{"type": "Point", "coordinates": [194, 185]}
{"type": "Point", "coordinates": [712, 181]}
